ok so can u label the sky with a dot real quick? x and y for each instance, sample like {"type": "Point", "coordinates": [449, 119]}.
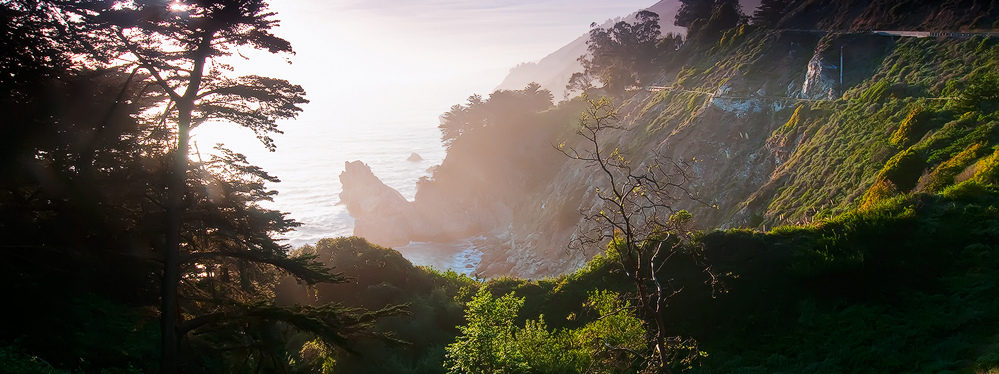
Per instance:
{"type": "Point", "coordinates": [417, 57]}
{"type": "Point", "coordinates": [378, 74]}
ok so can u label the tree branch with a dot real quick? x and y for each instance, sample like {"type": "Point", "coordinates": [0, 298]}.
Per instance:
{"type": "Point", "coordinates": [146, 64]}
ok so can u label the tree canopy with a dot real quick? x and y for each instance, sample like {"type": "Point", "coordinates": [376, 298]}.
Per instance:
{"type": "Point", "coordinates": [769, 13]}
{"type": "Point", "coordinates": [500, 107]}
{"type": "Point", "coordinates": [693, 10]}
{"type": "Point", "coordinates": [708, 17]}
{"type": "Point", "coordinates": [620, 55]}
{"type": "Point", "coordinates": [100, 190]}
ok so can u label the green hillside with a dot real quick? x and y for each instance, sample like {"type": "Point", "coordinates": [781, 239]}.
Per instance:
{"type": "Point", "coordinates": [795, 194]}
{"type": "Point", "coordinates": [906, 286]}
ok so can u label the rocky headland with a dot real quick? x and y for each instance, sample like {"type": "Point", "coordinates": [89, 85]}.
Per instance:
{"type": "Point", "coordinates": [384, 217]}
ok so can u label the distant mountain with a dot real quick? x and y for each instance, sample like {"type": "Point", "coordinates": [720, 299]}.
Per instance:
{"type": "Point", "coordinates": [553, 71]}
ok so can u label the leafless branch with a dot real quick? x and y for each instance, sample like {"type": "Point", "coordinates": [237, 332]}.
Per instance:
{"type": "Point", "coordinates": [637, 214]}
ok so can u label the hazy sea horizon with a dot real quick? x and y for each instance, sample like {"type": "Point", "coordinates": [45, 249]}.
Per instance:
{"type": "Point", "coordinates": [309, 159]}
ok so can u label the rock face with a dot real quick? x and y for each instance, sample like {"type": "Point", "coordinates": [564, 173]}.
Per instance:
{"type": "Point", "coordinates": [384, 217]}
{"type": "Point", "coordinates": [379, 211]}
{"type": "Point", "coordinates": [821, 80]}
{"type": "Point", "coordinates": [507, 184]}
{"type": "Point", "coordinates": [746, 132]}
{"type": "Point", "coordinates": [415, 157]}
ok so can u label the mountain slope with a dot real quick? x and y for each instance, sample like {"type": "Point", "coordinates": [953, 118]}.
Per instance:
{"type": "Point", "coordinates": [761, 158]}
{"type": "Point", "coordinates": [772, 129]}
{"type": "Point", "coordinates": [553, 71]}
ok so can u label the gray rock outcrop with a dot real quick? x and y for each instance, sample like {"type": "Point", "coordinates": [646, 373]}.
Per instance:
{"type": "Point", "coordinates": [384, 217]}
{"type": "Point", "coordinates": [380, 212]}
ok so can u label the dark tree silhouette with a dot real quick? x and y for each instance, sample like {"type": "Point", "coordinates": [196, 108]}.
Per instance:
{"type": "Point", "coordinates": [770, 12]}
{"type": "Point", "coordinates": [726, 14]}
{"type": "Point", "coordinates": [579, 81]}
{"type": "Point", "coordinates": [499, 107]}
{"type": "Point", "coordinates": [693, 10]}
{"type": "Point", "coordinates": [637, 216]}
{"type": "Point", "coordinates": [105, 165]}
{"type": "Point", "coordinates": [84, 205]}
{"type": "Point", "coordinates": [618, 56]}
{"type": "Point", "coordinates": [179, 46]}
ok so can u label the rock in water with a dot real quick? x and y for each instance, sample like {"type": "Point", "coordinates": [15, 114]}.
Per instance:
{"type": "Point", "coordinates": [366, 195]}
{"type": "Point", "coordinates": [414, 157]}
{"type": "Point", "coordinates": [384, 217]}
{"type": "Point", "coordinates": [379, 210]}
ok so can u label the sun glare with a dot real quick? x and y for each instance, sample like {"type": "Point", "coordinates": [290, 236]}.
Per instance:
{"type": "Point", "coordinates": [179, 7]}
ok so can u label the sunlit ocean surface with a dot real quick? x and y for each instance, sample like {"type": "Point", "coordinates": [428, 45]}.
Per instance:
{"type": "Point", "coordinates": [310, 158]}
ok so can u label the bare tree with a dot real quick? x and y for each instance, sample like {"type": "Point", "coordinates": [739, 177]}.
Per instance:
{"type": "Point", "coordinates": [637, 216]}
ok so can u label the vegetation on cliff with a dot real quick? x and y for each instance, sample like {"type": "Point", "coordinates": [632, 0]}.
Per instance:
{"type": "Point", "coordinates": [906, 285]}
{"type": "Point", "coordinates": [880, 173]}
{"type": "Point", "coordinates": [863, 211]}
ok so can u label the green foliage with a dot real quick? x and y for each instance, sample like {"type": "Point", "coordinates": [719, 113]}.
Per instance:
{"type": "Point", "coordinates": [906, 286]}
{"type": "Point", "coordinates": [620, 55]}
{"type": "Point", "coordinates": [382, 278]}
{"type": "Point", "coordinates": [914, 126]}
{"type": "Point", "coordinates": [501, 107]}
{"type": "Point", "coordinates": [549, 351]}
{"type": "Point", "coordinates": [903, 169]}
{"type": "Point", "coordinates": [873, 288]}
{"type": "Point", "coordinates": [612, 339]}
{"type": "Point", "coordinates": [733, 36]}
{"type": "Point", "coordinates": [490, 342]}
{"type": "Point", "coordinates": [686, 77]}
{"type": "Point", "coordinates": [692, 11]}
{"type": "Point", "coordinates": [882, 189]}
{"type": "Point", "coordinates": [769, 13]}
{"type": "Point", "coordinates": [981, 94]}
{"type": "Point", "coordinates": [957, 136]}
{"type": "Point", "coordinates": [944, 174]}
{"type": "Point", "coordinates": [986, 170]}
{"type": "Point", "coordinates": [843, 158]}
{"type": "Point", "coordinates": [725, 15]}
{"type": "Point", "coordinates": [799, 114]}
{"type": "Point", "coordinates": [875, 93]}
{"type": "Point", "coordinates": [968, 189]}
{"type": "Point", "coordinates": [835, 246]}
{"type": "Point", "coordinates": [16, 362]}
{"type": "Point", "coordinates": [487, 344]}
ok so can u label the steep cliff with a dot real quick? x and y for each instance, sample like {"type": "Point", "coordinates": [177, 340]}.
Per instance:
{"type": "Point", "coordinates": [775, 126]}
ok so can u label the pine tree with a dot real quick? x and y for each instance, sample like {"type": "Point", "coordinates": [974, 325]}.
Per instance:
{"type": "Point", "coordinates": [619, 55]}
{"type": "Point", "coordinates": [693, 10]}
{"type": "Point", "coordinates": [178, 46]}
{"type": "Point", "coordinates": [769, 13]}
{"type": "Point", "coordinates": [116, 187]}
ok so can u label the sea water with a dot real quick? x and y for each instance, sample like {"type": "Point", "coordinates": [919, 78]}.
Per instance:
{"type": "Point", "coordinates": [309, 159]}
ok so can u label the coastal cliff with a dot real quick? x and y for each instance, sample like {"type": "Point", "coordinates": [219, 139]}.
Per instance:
{"type": "Point", "coordinates": [384, 217]}
{"type": "Point", "coordinates": [773, 126]}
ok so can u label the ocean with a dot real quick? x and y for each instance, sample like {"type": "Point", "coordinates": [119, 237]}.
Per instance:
{"type": "Point", "coordinates": [309, 159]}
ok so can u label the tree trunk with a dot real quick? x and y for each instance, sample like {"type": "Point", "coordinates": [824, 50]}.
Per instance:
{"type": "Point", "coordinates": [171, 256]}
{"type": "Point", "coordinates": [661, 344]}
{"type": "Point", "coordinates": [650, 301]}
{"type": "Point", "coordinates": [170, 317]}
